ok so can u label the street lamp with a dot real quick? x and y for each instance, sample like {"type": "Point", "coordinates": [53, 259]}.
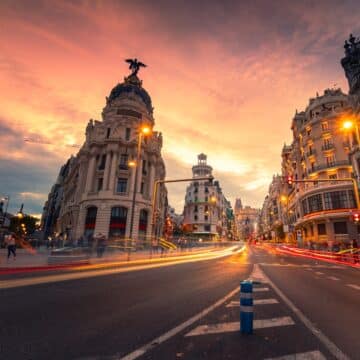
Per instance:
{"type": "Point", "coordinates": [20, 213]}
{"type": "Point", "coordinates": [348, 125]}
{"type": "Point", "coordinates": [143, 131]}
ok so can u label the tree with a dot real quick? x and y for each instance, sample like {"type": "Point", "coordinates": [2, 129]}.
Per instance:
{"type": "Point", "coordinates": [24, 225]}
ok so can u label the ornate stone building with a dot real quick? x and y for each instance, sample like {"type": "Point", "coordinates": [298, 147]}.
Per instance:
{"type": "Point", "coordinates": [98, 190]}
{"type": "Point", "coordinates": [206, 211]}
{"type": "Point", "coordinates": [246, 219]}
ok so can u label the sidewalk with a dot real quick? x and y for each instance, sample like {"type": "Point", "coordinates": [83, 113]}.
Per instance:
{"type": "Point", "coordinates": [39, 258]}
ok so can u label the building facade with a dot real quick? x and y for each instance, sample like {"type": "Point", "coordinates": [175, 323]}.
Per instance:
{"type": "Point", "coordinates": [246, 220]}
{"type": "Point", "coordinates": [206, 210]}
{"type": "Point", "coordinates": [99, 193]}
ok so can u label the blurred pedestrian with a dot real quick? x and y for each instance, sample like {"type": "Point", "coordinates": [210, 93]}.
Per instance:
{"type": "Point", "coordinates": [100, 245]}
{"type": "Point", "coordinates": [355, 250]}
{"type": "Point", "coordinates": [11, 245]}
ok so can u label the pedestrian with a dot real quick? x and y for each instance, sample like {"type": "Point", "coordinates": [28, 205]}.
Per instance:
{"type": "Point", "coordinates": [355, 251]}
{"type": "Point", "coordinates": [101, 244]}
{"type": "Point", "coordinates": [11, 245]}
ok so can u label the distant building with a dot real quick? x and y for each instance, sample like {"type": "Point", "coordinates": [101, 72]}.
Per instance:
{"type": "Point", "coordinates": [206, 211]}
{"type": "Point", "coordinates": [246, 220]}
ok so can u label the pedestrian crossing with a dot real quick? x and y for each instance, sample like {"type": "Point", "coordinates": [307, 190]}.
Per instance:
{"type": "Point", "coordinates": [264, 321]}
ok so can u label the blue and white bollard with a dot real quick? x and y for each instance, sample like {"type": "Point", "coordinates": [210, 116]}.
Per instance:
{"type": "Point", "coordinates": [246, 307]}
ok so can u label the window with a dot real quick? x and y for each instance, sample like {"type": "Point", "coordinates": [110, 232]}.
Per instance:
{"type": "Point", "coordinates": [195, 217]}
{"type": "Point", "coordinates": [310, 150]}
{"type": "Point", "coordinates": [315, 203]}
{"type": "Point", "coordinates": [206, 218]}
{"type": "Point", "coordinates": [327, 144]}
{"type": "Point", "coordinates": [127, 134]}
{"type": "Point", "coordinates": [100, 184]}
{"type": "Point", "coordinates": [340, 227]}
{"type": "Point", "coordinates": [124, 159]}
{"type": "Point", "coordinates": [144, 170]}
{"type": "Point", "coordinates": [102, 162]}
{"type": "Point", "coordinates": [321, 229]}
{"type": "Point", "coordinates": [335, 200]}
{"type": "Point", "coordinates": [330, 160]}
{"type": "Point", "coordinates": [333, 176]}
{"type": "Point", "coordinates": [324, 126]}
{"type": "Point", "coordinates": [196, 190]}
{"type": "Point", "coordinates": [206, 208]}
{"type": "Point", "coordinates": [90, 220]}
{"type": "Point", "coordinates": [206, 199]}
{"type": "Point", "coordinates": [206, 190]}
{"type": "Point", "coordinates": [196, 199]}
{"type": "Point", "coordinates": [312, 166]}
{"type": "Point", "coordinates": [108, 133]}
{"type": "Point", "coordinates": [121, 185]}
{"type": "Point", "coordinates": [308, 131]}
{"type": "Point", "coordinates": [195, 208]}
{"type": "Point", "coordinates": [352, 203]}
{"type": "Point", "coordinates": [142, 187]}
{"type": "Point", "coordinates": [143, 223]}
{"type": "Point", "coordinates": [207, 228]}
{"type": "Point", "coordinates": [118, 221]}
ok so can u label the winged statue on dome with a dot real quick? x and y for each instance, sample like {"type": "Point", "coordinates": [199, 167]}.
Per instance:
{"type": "Point", "coordinates": [134, 65]}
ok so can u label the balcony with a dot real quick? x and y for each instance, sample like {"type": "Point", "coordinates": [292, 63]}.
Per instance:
{"type": "Point", "coordinates": [311, 153]}
{"type": "Point", "coordinates": [330, 165]}
{"type": "Point", "coordinates": [327, 147]}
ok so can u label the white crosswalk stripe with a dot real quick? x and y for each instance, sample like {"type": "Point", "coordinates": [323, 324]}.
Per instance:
{"type": "Point", "coordinates": [356, 287]}
{"type": "Point", "coordinates": [260, 289]}
{"type": "Point", "coordinates": [256, 302]}
{"type": "Point", "coordinates": [310, 355]}
{"type": "Point", "coordinates": [235, 326]}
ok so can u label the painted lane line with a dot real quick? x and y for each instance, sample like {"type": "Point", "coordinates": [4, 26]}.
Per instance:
{"type": "Point", "coordinates": [356, 287]}
{"type": "Point", "coordinates": [255, 302]}
{"type": "Point", "coordinates": [235, 326]}
{"type": "Point", "coordinates": [149, 346]}
{"type": "Point", "coordinates": [334, 350]}
{"type": "Point", "coordinates": [310, 355]}
{"type": "Point", "coordinates": [333, 278]}
{"type": "Point", "coordinates": [319, 273]}
{"type": "Point", "coordinates": [260, 289]}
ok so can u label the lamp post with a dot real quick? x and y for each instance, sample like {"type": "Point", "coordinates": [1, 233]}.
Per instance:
{"type": "Point", "coordinates": [144, 130]}
{"type": "Point", "coordinates": [350, 124]}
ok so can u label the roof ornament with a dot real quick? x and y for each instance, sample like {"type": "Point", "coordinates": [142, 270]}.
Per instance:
{"type": "Point", "coordinates": [134, 66]}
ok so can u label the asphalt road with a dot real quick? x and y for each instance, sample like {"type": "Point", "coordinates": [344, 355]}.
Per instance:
{"type": "Point", "coordinates": [110, 316]}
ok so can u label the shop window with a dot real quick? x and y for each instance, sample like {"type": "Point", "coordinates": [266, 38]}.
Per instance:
{"type": "Point", "coordinates": [118, 219]}
{"type": "Point", "coordinates": [90, 220]}
{"type": "Point", "coordinates": [340, 227]}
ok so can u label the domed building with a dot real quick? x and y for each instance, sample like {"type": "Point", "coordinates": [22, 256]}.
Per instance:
{"type": "Point", "coordinates": [109, 184]}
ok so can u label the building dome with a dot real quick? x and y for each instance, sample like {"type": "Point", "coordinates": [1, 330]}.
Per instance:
{"type": "Point", "coordinates": [132, 84]}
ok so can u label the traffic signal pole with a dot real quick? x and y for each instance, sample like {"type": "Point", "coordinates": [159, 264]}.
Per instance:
{"type": "Point", "coordinates": [356, 190]}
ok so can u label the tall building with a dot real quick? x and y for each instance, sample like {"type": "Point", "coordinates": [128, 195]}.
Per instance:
{"type": "Point", "coordinates": [206, 210]}
{"type": "Point", "coordinates": [246, 220]}
{"type": "Point", "coordinates": [98, 191]}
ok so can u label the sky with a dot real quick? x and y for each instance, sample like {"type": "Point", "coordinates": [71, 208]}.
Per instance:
{"type": "Point", "coordinates": [225, 78]}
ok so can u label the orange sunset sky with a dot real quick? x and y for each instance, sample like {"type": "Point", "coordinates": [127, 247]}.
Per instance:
{"type": "Point", "coordinates": [225, 78]}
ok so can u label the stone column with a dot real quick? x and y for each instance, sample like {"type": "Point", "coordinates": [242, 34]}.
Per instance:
{"type": "Point", "coordinates": [90, 174]}
{"type": "Point", "coordinates": [152, 179]}
{"type": "Point", "coordinates": [112, 180]}
{"type": "Point", "coordinates": [107, 171]}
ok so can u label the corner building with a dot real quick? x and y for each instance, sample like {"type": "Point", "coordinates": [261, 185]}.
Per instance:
{"type": "Point", "coordinates": [99, 186]}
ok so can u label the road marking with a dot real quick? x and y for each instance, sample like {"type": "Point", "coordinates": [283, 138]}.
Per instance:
{"type": "Point", "coordinates": [235, 326]}
{"type": "Point", "coordinates": [310, 269]}
{"type": "Point", "coordinates": [260, 289]}
{"type": "Point", "coordinates": [334, 350]}
{"type": "Point", "coordinates": [7, 284]}
{"type": "Point", "coordinates": [149, 346]}
{"type": "Point", "coordinates": [333, 278]}
{"type": "Point", "coordinates": [319, 273]}
{"type": "Point", "coordinates": [310, 355]}
{"type": "Point", "coordinates": [356, 287]}
{"type": "Point", "coordinates": [256, 302]}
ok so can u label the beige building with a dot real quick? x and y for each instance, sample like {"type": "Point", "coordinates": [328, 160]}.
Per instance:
{"type": "Point", "coordinates": [246, 220]}
{"type": "Point", "coordinates": [98, 190]}
{"type": "Point", "coordinates": [206, 208]}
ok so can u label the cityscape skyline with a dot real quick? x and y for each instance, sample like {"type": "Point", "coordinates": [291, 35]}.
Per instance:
{"type": "Point", "coordinates": [54, 83]}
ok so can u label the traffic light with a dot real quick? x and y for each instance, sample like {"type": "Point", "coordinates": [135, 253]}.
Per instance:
{"type": "Point", "coordinates": [356, 217]}
{"type": "Point", "coordinates": [289, 180]}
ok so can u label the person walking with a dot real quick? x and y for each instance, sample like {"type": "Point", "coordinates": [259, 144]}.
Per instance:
{"type": "Point", "coordinates": [355, 251]}
{"type": "Point", "coordinates": [11, 245]}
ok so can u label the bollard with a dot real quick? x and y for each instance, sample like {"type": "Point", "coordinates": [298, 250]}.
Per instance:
{"type": "Point", "coordinates": [246, 307]}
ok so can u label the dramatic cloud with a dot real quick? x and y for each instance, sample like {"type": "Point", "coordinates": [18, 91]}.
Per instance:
{"type": "Point", "coordinates": [225, 79]}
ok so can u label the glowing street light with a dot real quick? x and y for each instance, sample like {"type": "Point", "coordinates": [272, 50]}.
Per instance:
{"type": "Point", "coordinates": [350, 124]}
{"type": "Point", "coordinates": [143, 131]}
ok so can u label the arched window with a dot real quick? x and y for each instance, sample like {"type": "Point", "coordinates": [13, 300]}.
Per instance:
{"type": "Point", "coordinates": [90, 220]}
{"type": "Point", "coordinates": [118, 221]}
{"type": "Point", "coordinates": [143, 222]}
